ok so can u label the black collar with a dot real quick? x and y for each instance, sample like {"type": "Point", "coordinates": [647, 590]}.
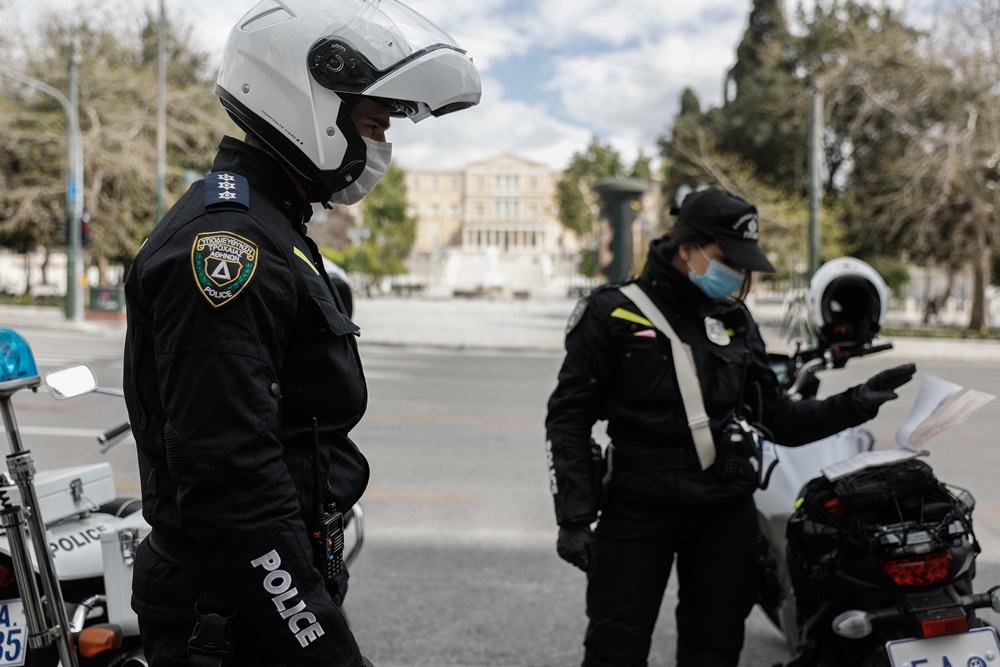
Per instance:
{"type": "Point", "coordinates": [265, 175]}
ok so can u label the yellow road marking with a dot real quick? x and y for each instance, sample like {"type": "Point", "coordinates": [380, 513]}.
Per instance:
{"type": "Point", "coordinates": [128, 487]}
{"type": "Point", "coordinates": [450, 420]}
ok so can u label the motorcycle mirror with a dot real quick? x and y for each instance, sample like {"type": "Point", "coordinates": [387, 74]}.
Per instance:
{"type": "Point", "coordinates": [995, 598]}
{"type": "Point", "coordinates": [966, 500]}
{"type": "Point", "coordinates": [71, 381]}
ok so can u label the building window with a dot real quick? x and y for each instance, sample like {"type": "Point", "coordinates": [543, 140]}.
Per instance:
{"type": "Point", "coordinates": [479, 211]}
{"type": "Point", "coordinates": [434, 210]}
{"type": "Point", "coordinates": [434, 182]}
{"type": "Point", "coordinates": [507, 208]}
{"type": "Point", "coordinates": [454, 211]}
{"type": "Point", "coordinates": [506, 182]}
{"type": "Point", "coordinates": [533, 183]}
{"type": "Point", "coordinates": [454, 183]}
{"type": "Point", "coordinates": [414, 183]}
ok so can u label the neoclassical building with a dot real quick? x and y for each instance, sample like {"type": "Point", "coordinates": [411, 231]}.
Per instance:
{"type": "Point", "coordinates": [490, 227]}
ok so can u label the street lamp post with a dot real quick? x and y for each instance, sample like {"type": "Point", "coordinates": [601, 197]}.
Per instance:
{"type": "Point", "coordinates": [74, 182]}
{"type": "Point", "coordinates": [161, 114]}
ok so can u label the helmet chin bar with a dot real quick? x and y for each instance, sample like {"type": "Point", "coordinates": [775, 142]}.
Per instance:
{"type": "Point", "coordinates": [318, 184]}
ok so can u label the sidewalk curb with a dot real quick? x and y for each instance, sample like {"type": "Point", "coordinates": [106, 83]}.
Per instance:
{"type": "Point", "coordinates": [490, 326]}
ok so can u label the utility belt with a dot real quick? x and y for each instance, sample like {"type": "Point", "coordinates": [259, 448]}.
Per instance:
{"type": "Point", "coordinates": [177, 551]}
{"type": "Point", "coordinates": [626, 459]}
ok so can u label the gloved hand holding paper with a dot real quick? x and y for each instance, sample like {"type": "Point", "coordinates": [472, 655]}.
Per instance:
{"type": "Point", "coordinates": [939, 405]}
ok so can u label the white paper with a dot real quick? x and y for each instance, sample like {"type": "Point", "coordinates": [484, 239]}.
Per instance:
{"type": "Point", "coordinates": [955, 412]}
{"type": "Point", "coordinates": [864, 460]}
{"type": "Point", "coordinates": [933, 393]}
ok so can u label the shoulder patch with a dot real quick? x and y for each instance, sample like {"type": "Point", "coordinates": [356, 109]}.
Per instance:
{"type": "Point", "coordinates": [222, 187]}
{"type": "Point", "coordinates": [223, 265]}
{"type": "Point", "coordinates": [576, 315]}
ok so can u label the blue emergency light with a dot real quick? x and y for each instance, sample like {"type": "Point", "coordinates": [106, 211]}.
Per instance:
{"type": "Point", "coordinates": [17, 363]}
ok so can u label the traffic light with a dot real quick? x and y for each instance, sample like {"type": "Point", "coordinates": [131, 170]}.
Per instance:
{"type": "Point", "coordinates": [85, 229]}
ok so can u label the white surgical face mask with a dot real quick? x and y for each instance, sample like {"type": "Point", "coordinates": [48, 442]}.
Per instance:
{"type": "Point", "coordinates": [376, 164]}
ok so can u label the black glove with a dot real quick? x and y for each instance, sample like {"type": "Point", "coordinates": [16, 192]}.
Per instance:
{"type": "Point", "coordinates": [574, 545]}
{"type": "Point", "coordinates": [880, 388]}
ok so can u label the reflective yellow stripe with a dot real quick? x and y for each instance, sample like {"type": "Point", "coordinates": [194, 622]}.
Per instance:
{"type": "Point", "coordinates": [301, 255]}
{"type": "Point", "coordinates": [623, 314]}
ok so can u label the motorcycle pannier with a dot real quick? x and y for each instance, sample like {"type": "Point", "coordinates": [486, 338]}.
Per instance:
{"type": "Point", "coordinates": [66, 492]}
{"type": "Point", "coordinates": [868, 513]}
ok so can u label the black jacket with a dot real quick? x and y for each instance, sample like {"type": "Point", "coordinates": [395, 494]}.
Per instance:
{"type": "Point", "coordinates": [236, 345]}
{"type": "Point", "coordinates": [620, 370]}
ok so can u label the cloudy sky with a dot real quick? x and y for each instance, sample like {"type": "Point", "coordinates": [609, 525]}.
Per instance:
{"type": "Point", "coordinates": [555, 72]}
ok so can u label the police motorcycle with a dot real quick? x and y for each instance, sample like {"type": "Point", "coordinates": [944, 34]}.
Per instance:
{"type": "Point", "coordinates": [66, 545]}
{"type": "Point", "coordinates": [870, 563]}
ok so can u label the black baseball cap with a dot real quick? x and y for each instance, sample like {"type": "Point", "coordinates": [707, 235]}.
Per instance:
{"type": "Point", "coordinates": [729, 221]}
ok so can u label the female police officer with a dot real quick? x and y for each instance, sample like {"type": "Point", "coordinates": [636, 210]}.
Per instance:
{"type": "Point", "coordinates": [664, 495]}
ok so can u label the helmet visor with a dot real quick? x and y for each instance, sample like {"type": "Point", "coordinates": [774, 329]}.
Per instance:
{"type": "Point", "coordinates": [386, 33]}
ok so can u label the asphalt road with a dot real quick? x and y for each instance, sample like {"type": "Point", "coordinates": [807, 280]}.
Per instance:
{"type": "Point", "coordinates": [459, 565]}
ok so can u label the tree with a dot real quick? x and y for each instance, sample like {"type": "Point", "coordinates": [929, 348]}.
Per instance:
{"type": "Point", "coordinates": [578, 204]}
{"type": "Point", "coordinates": [117, 75]}
{"type": "Point", "coordinates": [573, 191]}
{"type": "Point", "coordinates": [389, 231]}
{"type": "Point", "coordinates": [764, 119]}
{"type": "Point", "coordinates": [910, 137]}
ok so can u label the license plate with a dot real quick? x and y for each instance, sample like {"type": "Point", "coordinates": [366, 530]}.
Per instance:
{"type": "Point", "coordinates": [13, 633]}
{"type": "Point", "coordinates": [975, 648]}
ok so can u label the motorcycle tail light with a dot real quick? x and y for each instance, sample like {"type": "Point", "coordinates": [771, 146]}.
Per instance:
{"type": "Point", "coordinates": [952, 625]}
{"type": "Point", "coordinates": [918, 570]}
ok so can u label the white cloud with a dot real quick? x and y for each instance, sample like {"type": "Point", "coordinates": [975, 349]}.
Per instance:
{"type": "Point", "coordinates": [555, 72]}
{"type": "Point", "coordinates": [494, 127]}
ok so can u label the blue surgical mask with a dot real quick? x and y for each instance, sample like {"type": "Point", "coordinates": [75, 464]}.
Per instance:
{"type": "Point", "coordinates": [719, 280]}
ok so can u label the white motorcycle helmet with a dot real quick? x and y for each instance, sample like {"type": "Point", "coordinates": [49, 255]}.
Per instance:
{"type": "Point", "coordinates": [293, 70]}
{"type": "Point", "coordinates": [846, 301]}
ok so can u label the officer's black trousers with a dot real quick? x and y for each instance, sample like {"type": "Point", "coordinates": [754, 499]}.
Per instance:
{"type": "Point", "coordinates": [164, 644]}
{"type": "Point", "coordinates": [636, 542]}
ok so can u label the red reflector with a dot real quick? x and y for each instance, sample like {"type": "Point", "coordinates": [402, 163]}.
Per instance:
{"type": "Point", "coordinates": [96, 640]}
{"type": "Point", "coordinates": [7, 577]}
{"type": "Point", "coordinates": [833, 507]}
{"type": "Point", "coordinates": [919, 570]}
{"type": "Point", "coordinates": [945, 626]}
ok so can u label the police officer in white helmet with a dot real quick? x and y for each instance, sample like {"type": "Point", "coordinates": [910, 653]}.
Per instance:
{"type": "Point", "coordinates": [242, 373]}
